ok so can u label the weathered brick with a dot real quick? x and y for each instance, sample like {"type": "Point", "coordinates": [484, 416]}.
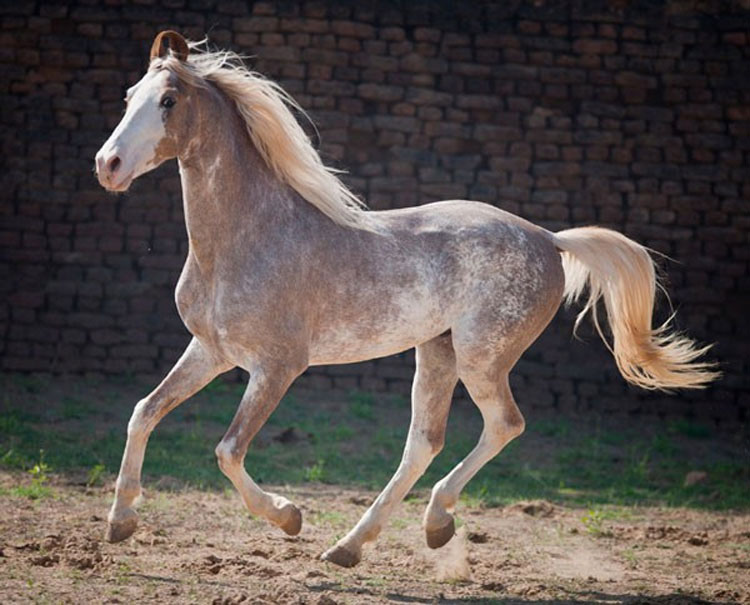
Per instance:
{"type": "Point", "coordinates": [529, 27]}
{"type": "Point", "coordinates": [413, 62]}
{"type": "Point", "coordinates": [632, 79]}
{"type": "Point", "coordinates": [595, 46]}
{"type": "Point", "coordinates": [352, 29]}
{"type": "Point", "coordinates": [380, 92]}
{"type": "Point", "coordinates": [597, 137]}
{"type": "Point", "coordinates": [424, 34]}
{"type": "Point", "coordinates": [478, 102]}
{"type": "Point", "coordinates": [737, 38]}
{"type": "Point", "coordinates": [561, 75]}
{"type": "Point", "coordinates": [556, 168]}
{"type": "Point", "coordinates": [510, 164]}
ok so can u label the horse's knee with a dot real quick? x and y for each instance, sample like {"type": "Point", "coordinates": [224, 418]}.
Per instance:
{"type": "Point", "coordinates": [227, 455]}
{"type": "Point", "coordinates": [147, 413]}
{"type": "Point", "coordinates": [139, 419]}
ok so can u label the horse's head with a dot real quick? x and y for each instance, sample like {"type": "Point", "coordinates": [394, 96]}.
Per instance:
{"type": "Point", "coordinates": [156, 122]}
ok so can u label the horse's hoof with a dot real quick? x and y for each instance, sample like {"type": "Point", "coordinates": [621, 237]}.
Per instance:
{"type": "Point", "coordinates": [120, 529]}
{"type": "Point", "coordinates": [293, 523]}
{"type": "Point", "coordinates": [440, 537]}
{"type": "Point", "coordinates": [338, 555]}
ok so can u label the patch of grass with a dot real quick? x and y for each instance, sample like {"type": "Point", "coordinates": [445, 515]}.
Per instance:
{"type": "Point", "coordinates": [34, 491]}
{"type": "Point", "coordinates": [333, 519]}
{"type": "Point", "coordinates": [558, 427]}
{"type": "Point", "coordinates": [30, 383]}
{"type": "Point", "coordinates": [689, 428]}
{"type": "Point", "coordinates": [359, 440]}
{"type": "Point", "coordinates": [476, 498]}
{"type": "Point", "coordinates": [74, 408]}
{"type": "Point", "coordinates": [362, 405]}
{"type": "Point", "coordinates": [38, 487]}
{"type": "Point", "coordinates": [12, 459]}
{"type": "Point", "coordinates": [343, 433]}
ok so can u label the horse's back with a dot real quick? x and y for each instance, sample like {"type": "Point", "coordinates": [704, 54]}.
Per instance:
{"type": "Point", "coordinates": [469, 241]}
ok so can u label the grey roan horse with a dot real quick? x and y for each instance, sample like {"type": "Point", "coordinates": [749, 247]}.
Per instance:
{"type": "Point", "coordinates": [285, 270]}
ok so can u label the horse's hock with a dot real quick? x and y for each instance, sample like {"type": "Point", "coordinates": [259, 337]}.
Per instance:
{"type": "Point", "coordinates": [632, 120]}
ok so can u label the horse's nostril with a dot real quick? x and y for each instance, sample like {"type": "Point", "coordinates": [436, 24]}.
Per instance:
{"type": "Point", "coordinates": [113, 164]}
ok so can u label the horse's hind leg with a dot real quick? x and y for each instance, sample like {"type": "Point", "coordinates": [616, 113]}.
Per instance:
{"type": "Point", "coordinates": [194, 370]}
{"type": "Point", "coordinates": [503, 422]}
{"type": "Point", "coordinates": [432, 390]}
{"type": "Point", "coordinates": [268, 383]}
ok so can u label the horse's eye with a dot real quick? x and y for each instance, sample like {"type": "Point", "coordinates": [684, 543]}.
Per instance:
{"type": "Point", "coordinates": [167, 102]}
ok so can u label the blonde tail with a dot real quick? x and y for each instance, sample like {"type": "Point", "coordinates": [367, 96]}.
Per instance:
{"type": "Point", "coordinates": [622, 272]}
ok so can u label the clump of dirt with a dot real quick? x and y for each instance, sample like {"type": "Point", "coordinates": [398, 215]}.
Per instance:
{"type": "Point", "coordinates": [533, 508]}
{"type": "Point", "coordinates": [235, 566]}
{"type": "Point", "coordinates": [76, 551]}
{"type": "Point", "coordinates": [676, 535]}
{"type": "Point", "coordinates": [195, 546]}
{"type": "Point", "coordinates": [478, 537]}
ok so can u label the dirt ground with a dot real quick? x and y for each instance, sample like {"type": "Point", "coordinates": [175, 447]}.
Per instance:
{"type": "Point", "coordinates": [202, 547]}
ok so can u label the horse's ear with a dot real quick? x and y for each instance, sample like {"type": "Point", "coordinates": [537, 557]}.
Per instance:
{"type": "Point", "coordinates": [175, 42]}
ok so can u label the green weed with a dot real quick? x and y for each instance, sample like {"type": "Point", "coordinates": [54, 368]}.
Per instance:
{"type": "Point", "coordinates": [593, 521]}
{"type": "Point", "coordinates": [631, 559]}
{"type": "Point", "coordinates": [94, 476]}
{"type": "Point", "coordinates": [38, 487]}
{"type": "Point", "coordinates": [316, 472]}
{"type": "Point", "coordinates": [39, 471]}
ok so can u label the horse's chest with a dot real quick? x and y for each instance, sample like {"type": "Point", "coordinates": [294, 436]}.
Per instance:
{"type": "Point", "coordinates": [192, 306]}
{"type": "Point", "coordinates": [195, 298]}
{"type": "Point", "coordinates": [216, 311]}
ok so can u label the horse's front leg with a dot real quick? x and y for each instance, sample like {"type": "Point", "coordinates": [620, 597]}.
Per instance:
{"type": "Point", "coordinates": [268, 383]}
{"type": "Point", "coordinates": [194, 370]}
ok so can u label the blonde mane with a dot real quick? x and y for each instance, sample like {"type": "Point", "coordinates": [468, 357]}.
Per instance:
{"type": "Point", "coordinates": [273, 129]}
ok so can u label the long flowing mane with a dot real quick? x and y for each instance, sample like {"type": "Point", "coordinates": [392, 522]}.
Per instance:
{"type": "Point", "coordinates": [273, 129]}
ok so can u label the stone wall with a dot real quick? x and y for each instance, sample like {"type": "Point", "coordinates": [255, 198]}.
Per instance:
{"type": "Point", "coordinates": [635, 118]}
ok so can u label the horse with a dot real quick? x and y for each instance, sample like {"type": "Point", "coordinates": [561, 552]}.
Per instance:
{"type": "Point", "coordinates": [287, 269]}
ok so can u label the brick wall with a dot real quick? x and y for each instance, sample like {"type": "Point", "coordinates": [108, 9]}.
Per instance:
{"type": "Point", "coordinates": [636, 119]}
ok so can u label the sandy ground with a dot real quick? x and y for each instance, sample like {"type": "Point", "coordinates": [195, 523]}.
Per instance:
{"type": "Point", "coordinates": [202, 547]}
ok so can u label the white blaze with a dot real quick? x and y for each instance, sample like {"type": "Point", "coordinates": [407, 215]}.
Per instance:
{"type": "Point", "coordinates": [138, 134]}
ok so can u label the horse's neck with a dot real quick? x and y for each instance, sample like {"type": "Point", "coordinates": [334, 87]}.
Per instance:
{"type": "Point", "coordinates": [228, 191]}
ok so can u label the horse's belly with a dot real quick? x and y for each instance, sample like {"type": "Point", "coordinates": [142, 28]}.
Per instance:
{"type": "Point", "coordinates": [374, 335]}
{"type": "Point", "coordinates": [345, 353]}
